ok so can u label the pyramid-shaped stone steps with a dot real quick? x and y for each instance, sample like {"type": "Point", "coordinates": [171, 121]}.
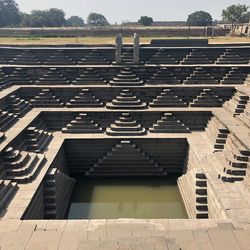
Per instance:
{"type": "Point", "coordinates": [84, 99]}
{"type": "Point", "coordinates": [88, 77]}
{"type": "Point", "coordinates": [7, 191]}
{"type": "Point", "coordinates": [196, 57]}
{"type": "Point", "coordinates": [125, 126]}
{"type": "Point", "coordinates": [82, 124]}
{"type": "Point", "coordinates": [46, 99]}
{"type": "Point", "coordinates": [7, 120]}
{"type": "Point", "coordinates": [20, 76]}
{"type": "Point", "coordinates": [59, 58]}
{"type": "Point", "coordinates": [200, 76]}
{"type": "Point", "coordinates": [37, 140]}
{"type": "Point", "coordinates": [18, 106]}
{"type": "Point", "coordinates": [57, 191]}
{"type": "Point", "coordinates": [169, 124]}
{"type": "Point", "coordinates": [163, 76]}
{"type": "Point", "coordinates": [234, 76]}
{"type": "Point", "coordinates": [162, 56]}
{"type": "Point", "coordinates": [126, 159]}
{"type": "Point", "coordinates": [167, 99]}
{"type": "Point", "coordinates": [26, 57]}
{"type": "Point", "coordinates": [207, 98]}
{"type": "Point", "coordinates": [126, 78]}
{"type": "Point", "coordinates": [53, 76]}
{"type": "Point", "coordinates": [92, 57]}
{"type": "Point", "coordinates": [22, 167]}
{"type": "Point", "coordinates": [126, 100]}
{"type": "Point", "coordinates": [237, 104]}
{"type": "Point", "coordinates": [230, 56]}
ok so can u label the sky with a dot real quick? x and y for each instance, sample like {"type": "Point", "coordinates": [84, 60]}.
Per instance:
{"type": "Point", "coordinates": [117, 11]}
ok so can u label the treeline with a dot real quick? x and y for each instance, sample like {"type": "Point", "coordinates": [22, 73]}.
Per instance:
{"type": "Point", "coordinates": [11, 16]}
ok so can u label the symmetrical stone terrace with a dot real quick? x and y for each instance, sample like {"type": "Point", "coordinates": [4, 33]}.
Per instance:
{"type": "Point", "coordinates": [190, 116]}
{"type": "Point", "coordinates": [106, 55]}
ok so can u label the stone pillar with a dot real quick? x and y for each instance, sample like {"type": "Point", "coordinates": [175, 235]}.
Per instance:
{"type": "Point", "coordinates": [118, 49]}
{"type": "Point", "coordinates": [136, 56]}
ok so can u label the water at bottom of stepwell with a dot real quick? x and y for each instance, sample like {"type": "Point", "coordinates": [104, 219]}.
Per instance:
{"type": "Point", "coordinates": [139, 198]}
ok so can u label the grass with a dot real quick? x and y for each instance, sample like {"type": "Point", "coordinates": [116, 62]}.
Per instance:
{"type": "Point", "coordinates": [101, 40]}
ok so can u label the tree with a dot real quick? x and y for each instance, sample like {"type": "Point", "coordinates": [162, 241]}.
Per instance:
{"type": "Point", "coordinates": [200, 18]}
{"type": "Point", "coordinates": [9, 13]}
{"type": "Point", "coordinates": [75, 21]}
{"type": "Point", "coordinates": [146, 20]}
{"type": "Point", "coordinates": [97, 19]}
{"type": "Point", "coordinates": [48, 18]}
{"type": "Point", "coordinates": [234, 14]}
{"type": "Point", "coordinates": [245, 18]}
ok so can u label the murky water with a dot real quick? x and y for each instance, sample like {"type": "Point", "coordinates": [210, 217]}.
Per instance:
{"type": "Point", "coordinates": [126, 198]}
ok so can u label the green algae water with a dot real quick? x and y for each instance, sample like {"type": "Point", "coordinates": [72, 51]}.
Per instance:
{"type": "Point", "coordinates": [126, 198]}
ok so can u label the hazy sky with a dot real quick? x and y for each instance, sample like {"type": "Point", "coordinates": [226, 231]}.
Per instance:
{"type": "Point", "coordinates": [122, 10]}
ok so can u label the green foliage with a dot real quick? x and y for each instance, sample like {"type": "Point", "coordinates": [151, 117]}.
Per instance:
{"type": "Point", "coordinates": [9, 13]}
{"type": "Point", "coordinates": [145, 20]}
{"type": "Point", "coordinates": [75, 21]}
{"type": "Point", "coordinates": [234, 13]}
{"type": "Point", "coordinates": [97, 19]}
{"type": "Point", "coordinates": [48, 18]}
{"type": "Point", "coordinates": [200, 18]}
{"type": "Point", "coordinates": [245, 18]}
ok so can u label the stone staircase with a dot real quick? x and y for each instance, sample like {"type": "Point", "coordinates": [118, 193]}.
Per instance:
{"type": "Point", "coordinates": [237, 104]}
{"type": "Point", "coordinates": [193, 188]}
{"type": "Point", "coordinates": [217, 133]}
{"type": "Point", "coordinates": [167, 99]}
{"type": "Point", "coordinates": [59, 57]}
{"type": "Point", "coordinates": [57, 191]}
{"type": "Point", "coordinates": [127, 56]}
{"type": "Point", "coordinates": [162, 56]}
{"type": "Point", "coordinates": [3, 80]}
{"type": "Point", "coordinates": [53, 75]}
{"type": "Point", "coordinates": [207, 98]}
{"type": "Point", "coordinates": [88, 76]}
{"type": "Point", "coordinates": [126, 159]}
{"type": "Point", "coordinates": [234, 76]}
{"type": "Point", "coordinates": [169, 124]}
{"type": "Point", "coordinates": [245, 116]}
{"type": "Point", "coordinates": [196, 57]}
{"type": "Point", "coordinates": [18, 106]}
{"type": "Point", "coordinates": [82, 124]}
{"type": "Point", "coordinates": [84, 99]}
{"type": "Point", "coordinates": [126, 100]}
{"type": "Point", "coordinates": [7, 192]}
{"type": "Point", "coordinates": [22, 166]}
{"type": "Point", "coordinates": [125, 126]}
{"type": "Point", "coordinates": [37, 140]}
{"type": "Point", "coordinates": [230, 56]}
{"type": "Point", "coordinates": [163, 76]}
{"type": "Point", "coordinates": [19, 76]}
{"type": "Point", "coordinates": [127, 78]}
{"type": "Point", "coordinates": [92, 57]}
{"type": "Point", "coordinates": [234, 160]}
{"type": "Point", "coordinates": [200, 76]}
{"type": "Point", "coordinates": [46, 99]}
{"type": "Point", "coordinates": [7, 120]}
{"type": "Point", "coordinates": [25, 57]}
